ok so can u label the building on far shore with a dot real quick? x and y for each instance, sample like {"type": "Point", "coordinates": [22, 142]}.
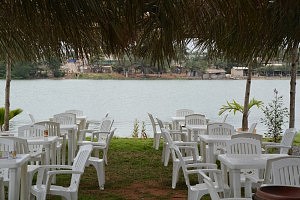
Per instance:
{"type": "Point", "coordinates": [213, 73]}
{"type": "Point", "coordinates": [238, 72]}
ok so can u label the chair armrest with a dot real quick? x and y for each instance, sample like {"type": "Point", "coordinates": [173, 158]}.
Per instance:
{"type": "Point", "coordinates": [202, 165]}
{"type": "Point", "coordinates": [96, 134]}
{"type": "Point", "coordinates": [186, 143]}
{"type": "Point", "coordinates": [64, 172]}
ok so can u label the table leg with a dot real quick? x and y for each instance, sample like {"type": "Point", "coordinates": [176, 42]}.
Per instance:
{"type": "Point", "coordinates": [14, 184]}
{"type": "Point", "coordinates": [210, 155]}
{"type": "Point", "coordinates": [203, 151]}
{"type": "Point", "coordinates": [236, 182]}
{"type": "Point", "coordinates": [25, 191]}
{"type": "Point", "coordinates": [70, 147]}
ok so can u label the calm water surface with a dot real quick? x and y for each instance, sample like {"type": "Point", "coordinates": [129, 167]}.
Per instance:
{"type": "Point", "coordinates": [127, 100]}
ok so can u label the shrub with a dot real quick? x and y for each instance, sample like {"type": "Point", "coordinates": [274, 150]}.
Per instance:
{"type": "Point", "coordinates": [275, 117]}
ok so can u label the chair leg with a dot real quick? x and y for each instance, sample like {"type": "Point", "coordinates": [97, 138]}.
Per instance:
{"type": "Point", "coordinates": [175, 173]}
{"type": "Point", "coordinates": [105, 156]}
{"type": "Point", "coordinates": [156, 141]}
{"type": "Point", "coordinates": [167, 155]}
{"type": "Point", "coordinates": [192, 195]}
{"type": "Point", "coordinates": [99, 166]}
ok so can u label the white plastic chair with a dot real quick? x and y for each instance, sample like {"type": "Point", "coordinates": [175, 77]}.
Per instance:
{"type": "Point", "coordinates": [98, 163]}
{"type": "Point", "coordinates": [32, 131]}
{"type": "Point", "coordinates": [279, 171]}
{"type": "Point", "coordinates": [41, 190]}
{"type": "Point", "coordinates": [54, 130]}
{"type": "Point", "coordinates": [100, 138]}
{"type": "Point", "coordinates": [238, 146]}
{"type": "Point", "coordinates": [6, 146]}
{"type": "Point", "coordinates": [183, 112]}
{"type": "Point", "coordinates": [65, 118]}
{"type": "Point", "coordinates": [196, 191]}
{"type": "Point", "coordinates": [285, 144]}
{"type": "Point", "coordinates": [219, 129]}
{"type": "Point", "coordinates": [188, 147]}
{"type": "Point", "coordinates": [156, 133]}
{"type": "Point", "coordinates": [176, 136]}
{"type": "Point", "coordinates": [245, 146]}
{"type": "Point", "coordinates": [195, 119]}
{"type": "Point", "coordinates": [76, 112]}
{"type": "Point", "coordinates": [214, 192]}
{"type": "Point", "coordinates": [104, 138]}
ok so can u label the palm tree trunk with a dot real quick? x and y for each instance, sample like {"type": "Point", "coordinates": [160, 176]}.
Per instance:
{"type": "Point", "coordinates": [246, 100]}
{"type": "Point", "coordinates": [7, 93]}
{"type": "Point", "coordinates": [293, 85]}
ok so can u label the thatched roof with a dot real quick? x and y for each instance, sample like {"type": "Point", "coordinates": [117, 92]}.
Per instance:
{"type": "Point", "coordinates": [243, 29]}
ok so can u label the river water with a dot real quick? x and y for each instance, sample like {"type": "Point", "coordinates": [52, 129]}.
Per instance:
{"type": "Point", "coordinates": [130, 100]}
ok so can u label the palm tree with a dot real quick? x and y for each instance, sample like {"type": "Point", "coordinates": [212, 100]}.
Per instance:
{"type": "Point", "coordinates": [11, 115]}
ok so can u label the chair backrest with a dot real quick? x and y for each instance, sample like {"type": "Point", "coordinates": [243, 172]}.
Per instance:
{"type": "Point", "coordinates": [152, 123]}
{"type": "Point", "coordinates": [79, 163]}
{"type": "Point", "coordinates": [167, 136]}
{"type": "Point", "coordinates": [52, 127]}
{"type": "Point", "coordinates": [252, 128]}
{"type": "Point", "coordinates": [6, 145]}
{"type": "Point", "coordinates": [247, 135]}
{"type": "Point", "coordinates": [283, 171]}
{"type": "Point", "coordinates": [110, 136]}
{"type": "Point", "coordinates": [183, 112]}
{"type": "Point", "coordinates": [32, 130]}
{"type": "Point", "coordinates": [287, 139]}
{"type": "Point", "coordinates": [243, 146]}
{"type": "Point", "coordinates": [220, 129]}
{"type": "Point", "coordinates": [76, 112]}
{"type": "Point", "coordinates": [106, 125]}
{"type": "Point", "coordinates": [65, 118]}
{"type": "Point", "coordinates": [20, 144]}
{"type": "Point", "coordinates": [105, 130]}
{"type": "Point", "coordinates": [195, 119]}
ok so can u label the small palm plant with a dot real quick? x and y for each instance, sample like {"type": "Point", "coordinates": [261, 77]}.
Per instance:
{"type": "Point", "coordinates": [236, 107]}
{"type": "Point", "coordinates": [12, 114]}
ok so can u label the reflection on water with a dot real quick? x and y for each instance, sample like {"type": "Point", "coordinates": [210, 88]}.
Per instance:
{"type": "Point", "coordinates": [127, 100]}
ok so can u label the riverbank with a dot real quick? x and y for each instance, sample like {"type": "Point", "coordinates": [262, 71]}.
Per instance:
{"type": "Point", "coordinates": [164, 76]}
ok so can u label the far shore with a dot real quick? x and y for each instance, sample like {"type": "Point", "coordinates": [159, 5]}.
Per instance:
{"type": "Point", "coordinates": [164, 76]}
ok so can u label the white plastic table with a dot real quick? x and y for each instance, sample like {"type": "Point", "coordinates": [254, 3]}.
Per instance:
{"type": "Point", "coordinates": [210, 140]}
{"type": "Point", "coordinates": [237, 162]}
{"type": "Point", "coordinates": [14, 178]}
{"type": "Point", "coordinates": [72, 140]}
{"type": "Point", "coordinates": [194, 130]}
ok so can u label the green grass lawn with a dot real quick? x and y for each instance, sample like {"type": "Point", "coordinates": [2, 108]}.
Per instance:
{"type": "Point", "coordinates": [134, 171]}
